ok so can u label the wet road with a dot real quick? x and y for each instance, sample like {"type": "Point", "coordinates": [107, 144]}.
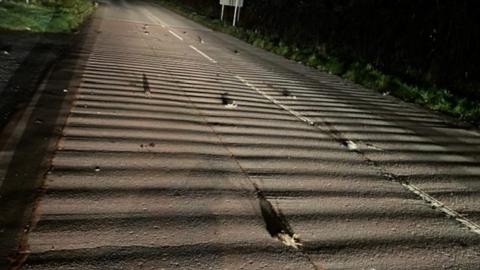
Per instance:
{"type": "Point", "coordinates": [188, 149]}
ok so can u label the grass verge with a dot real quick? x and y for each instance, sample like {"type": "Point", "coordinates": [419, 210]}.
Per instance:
{"type": "Point", "coordinates": [362, 73]}
{"type": "Point", "coordinates": [51, 16]}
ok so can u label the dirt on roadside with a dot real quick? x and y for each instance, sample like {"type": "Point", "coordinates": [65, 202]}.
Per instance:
{"type": "Point", "coordinates": [25, 57]}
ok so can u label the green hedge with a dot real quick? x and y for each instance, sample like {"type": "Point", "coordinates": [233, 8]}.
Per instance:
{"type": "Point", "coordinates": [412, 49]}
{"type": "Point", "coordinates": [45, 15]}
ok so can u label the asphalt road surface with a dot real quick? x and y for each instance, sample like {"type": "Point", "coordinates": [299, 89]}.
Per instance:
{"type": "Point", "coordinates": [182, 148]}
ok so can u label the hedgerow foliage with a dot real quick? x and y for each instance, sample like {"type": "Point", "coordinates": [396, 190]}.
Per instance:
{"type": "Point", "coordinates": [427, 42]}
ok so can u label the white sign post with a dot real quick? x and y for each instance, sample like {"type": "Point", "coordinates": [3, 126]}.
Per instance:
{"type": "Point", "coordinates": [238, 4]}
{"type": "Point", "coordinates": [235, 13]}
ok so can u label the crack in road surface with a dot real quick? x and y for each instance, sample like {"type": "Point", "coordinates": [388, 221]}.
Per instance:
{"type": "Point", "coordinates": [276, 223]}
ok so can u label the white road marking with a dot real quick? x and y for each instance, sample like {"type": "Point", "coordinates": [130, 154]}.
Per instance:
{"type": "Point", "coordinates": [203, 54]}
{"type": "Point", "coordinates": [231, 105]}
{"type": "Point", "coordinates": [474, 227]}
{"type": "Point", "coordinates": [175, 35]}
{"type": "Point", "coordinates": [471, 225]}
{"type": "Point", "coordinates": [276, 102]}
{"type": "Point", "coordinates": [351, 145]}
{"type": "Point", "coordinates": [153, 18]}
{"type": "Point", "coordinates": [371, 146]}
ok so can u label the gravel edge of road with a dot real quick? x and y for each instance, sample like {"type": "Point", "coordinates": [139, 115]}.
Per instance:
{"type": "Point", "coordinates": [35, 146]}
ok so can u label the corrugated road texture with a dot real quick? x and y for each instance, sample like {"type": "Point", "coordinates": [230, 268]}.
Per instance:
{"type": "Point", "coordinates": [167, 143]}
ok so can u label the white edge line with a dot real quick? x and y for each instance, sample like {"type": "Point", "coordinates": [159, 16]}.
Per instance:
{"type": "Point", "coordinates": [203, 54]}
{"type": "Point", "coordinates": [175, 34]}
{"type": "Point", "coordinates": [157, 20]}
{"type": "Point", "coordinates": [154, 18]}
{"type": "Point", "coordinates": [474, 227]}
{"type": "Point", "coordinates": [276, 102]}
{"type": "Point", "coordinates": [442, 207]}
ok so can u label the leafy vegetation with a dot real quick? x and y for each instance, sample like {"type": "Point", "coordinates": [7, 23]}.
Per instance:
{"type": "Point", "coordinates": [408, 81]}
{"type": "Point", "coordinates": [44, 16]}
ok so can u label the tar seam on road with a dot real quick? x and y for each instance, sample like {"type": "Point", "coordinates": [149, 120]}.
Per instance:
{"type": "Point", "coordinates": [275, 222]}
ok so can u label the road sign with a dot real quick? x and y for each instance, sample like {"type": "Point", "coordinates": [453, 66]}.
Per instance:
{"type": "Point", "coordinates": [233, 3]}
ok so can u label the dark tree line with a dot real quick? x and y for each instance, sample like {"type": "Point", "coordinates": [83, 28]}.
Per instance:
{"type": "Point", "coordinates": [426, 41]}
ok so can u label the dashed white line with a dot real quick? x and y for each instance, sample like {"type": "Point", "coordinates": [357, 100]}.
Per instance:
{"type": "Point", "coordinates": [175, 35]}
{"type": "Point", "coordinates": [471, 225]}
{"type": "Point", "coordinates": [203, 54]}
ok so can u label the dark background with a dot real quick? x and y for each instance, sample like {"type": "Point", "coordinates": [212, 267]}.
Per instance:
{"type": "Point", "coordinates": [427, 42]}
